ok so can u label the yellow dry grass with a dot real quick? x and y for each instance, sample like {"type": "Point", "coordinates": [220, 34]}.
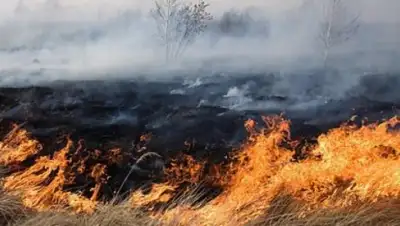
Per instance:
{"type": "Point", "coordinates": [105, 215]}
{"type": "Point", "coordinates": [11, 208]}
{"type": "Point", "coordinates": [283, 210]}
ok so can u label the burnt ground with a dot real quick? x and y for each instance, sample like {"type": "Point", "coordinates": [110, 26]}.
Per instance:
{"type": "Point", "coordinates": [208, 113]}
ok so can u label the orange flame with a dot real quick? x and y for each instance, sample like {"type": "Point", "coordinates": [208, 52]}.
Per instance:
{"type": "Point", "coordinates": [41, 191]}
{"type": "Point", "coordinates": [349, 165]}
{"type": "Point", "coordinates": [17, 147]}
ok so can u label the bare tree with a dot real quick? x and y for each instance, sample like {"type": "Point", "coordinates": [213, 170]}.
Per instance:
{"type": "Point", "coordinates": [179, 24]}
{"type": "Point", "coordinates": [338, 25]}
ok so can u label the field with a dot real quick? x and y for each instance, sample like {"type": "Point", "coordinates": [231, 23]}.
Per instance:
{"type": "Point", "coordinates": [216, 113]}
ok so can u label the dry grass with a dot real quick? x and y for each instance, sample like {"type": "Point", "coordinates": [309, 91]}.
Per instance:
{"type": "Point", "coordinates": [106, 215]}
{"type": "Point", "coordinates": [14, 213]}
{"type": "Point", "coordinates": [48, 219]}
{"type": "Point", "coordinates": [11, 208]}
{"type": "Point", "coordinates": [284, 210]}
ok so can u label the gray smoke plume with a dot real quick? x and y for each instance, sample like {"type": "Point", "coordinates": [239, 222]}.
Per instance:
{"type": "Point", "coordinates": [48, 40]}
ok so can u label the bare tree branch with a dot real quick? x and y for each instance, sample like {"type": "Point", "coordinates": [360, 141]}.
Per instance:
{"type": "Point", "coordinates": [179, 24]}
{"type": "Point", "coordinates": [338, 25]}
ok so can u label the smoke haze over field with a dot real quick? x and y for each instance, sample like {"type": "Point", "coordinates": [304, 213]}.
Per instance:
{"type": "Point", "coordinates": [46, 40]}
{"type": "Point", "coordinates": [385, 10]}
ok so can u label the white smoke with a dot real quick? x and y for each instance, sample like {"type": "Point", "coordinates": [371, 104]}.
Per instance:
{"type": "Point", "coordinates": [46, 40]}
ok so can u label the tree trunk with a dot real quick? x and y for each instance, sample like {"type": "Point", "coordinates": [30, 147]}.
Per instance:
{"type": "Point", "coordinates": [326, 57]}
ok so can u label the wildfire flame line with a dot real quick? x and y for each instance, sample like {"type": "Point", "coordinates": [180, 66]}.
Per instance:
{"type": "Point", "coordinates": [349, 165]}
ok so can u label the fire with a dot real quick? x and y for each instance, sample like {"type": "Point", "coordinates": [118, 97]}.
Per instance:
{"type": "Point", "coordinates": [41, 184]}
{"type": "Point", "coordinates": [184, 175]}
{"type": "Point", "coordinates": [348, 166]}
{"type": "Point", "coordinates": [248, 190]}
{"type": "Point", "coordinates": [160, 193]}
{"type": "Point", "coordinates": [17, 147]}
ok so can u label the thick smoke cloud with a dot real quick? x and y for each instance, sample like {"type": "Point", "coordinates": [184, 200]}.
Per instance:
{"type": "Point", "coordinates": [45, 40]}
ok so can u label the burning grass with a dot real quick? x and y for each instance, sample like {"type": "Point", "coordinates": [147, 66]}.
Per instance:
{"type": "Point", "coordinates": [350, 177]}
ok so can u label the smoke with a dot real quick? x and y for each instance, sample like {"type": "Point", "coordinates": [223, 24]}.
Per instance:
{"type": "Point", "coordinates": [47, 40]}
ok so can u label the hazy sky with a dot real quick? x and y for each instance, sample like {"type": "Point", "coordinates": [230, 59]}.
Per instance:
{"type": "Point", "coordinates": [70, 46]}
{"type": "Point", "coordinates": [373, 10]}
